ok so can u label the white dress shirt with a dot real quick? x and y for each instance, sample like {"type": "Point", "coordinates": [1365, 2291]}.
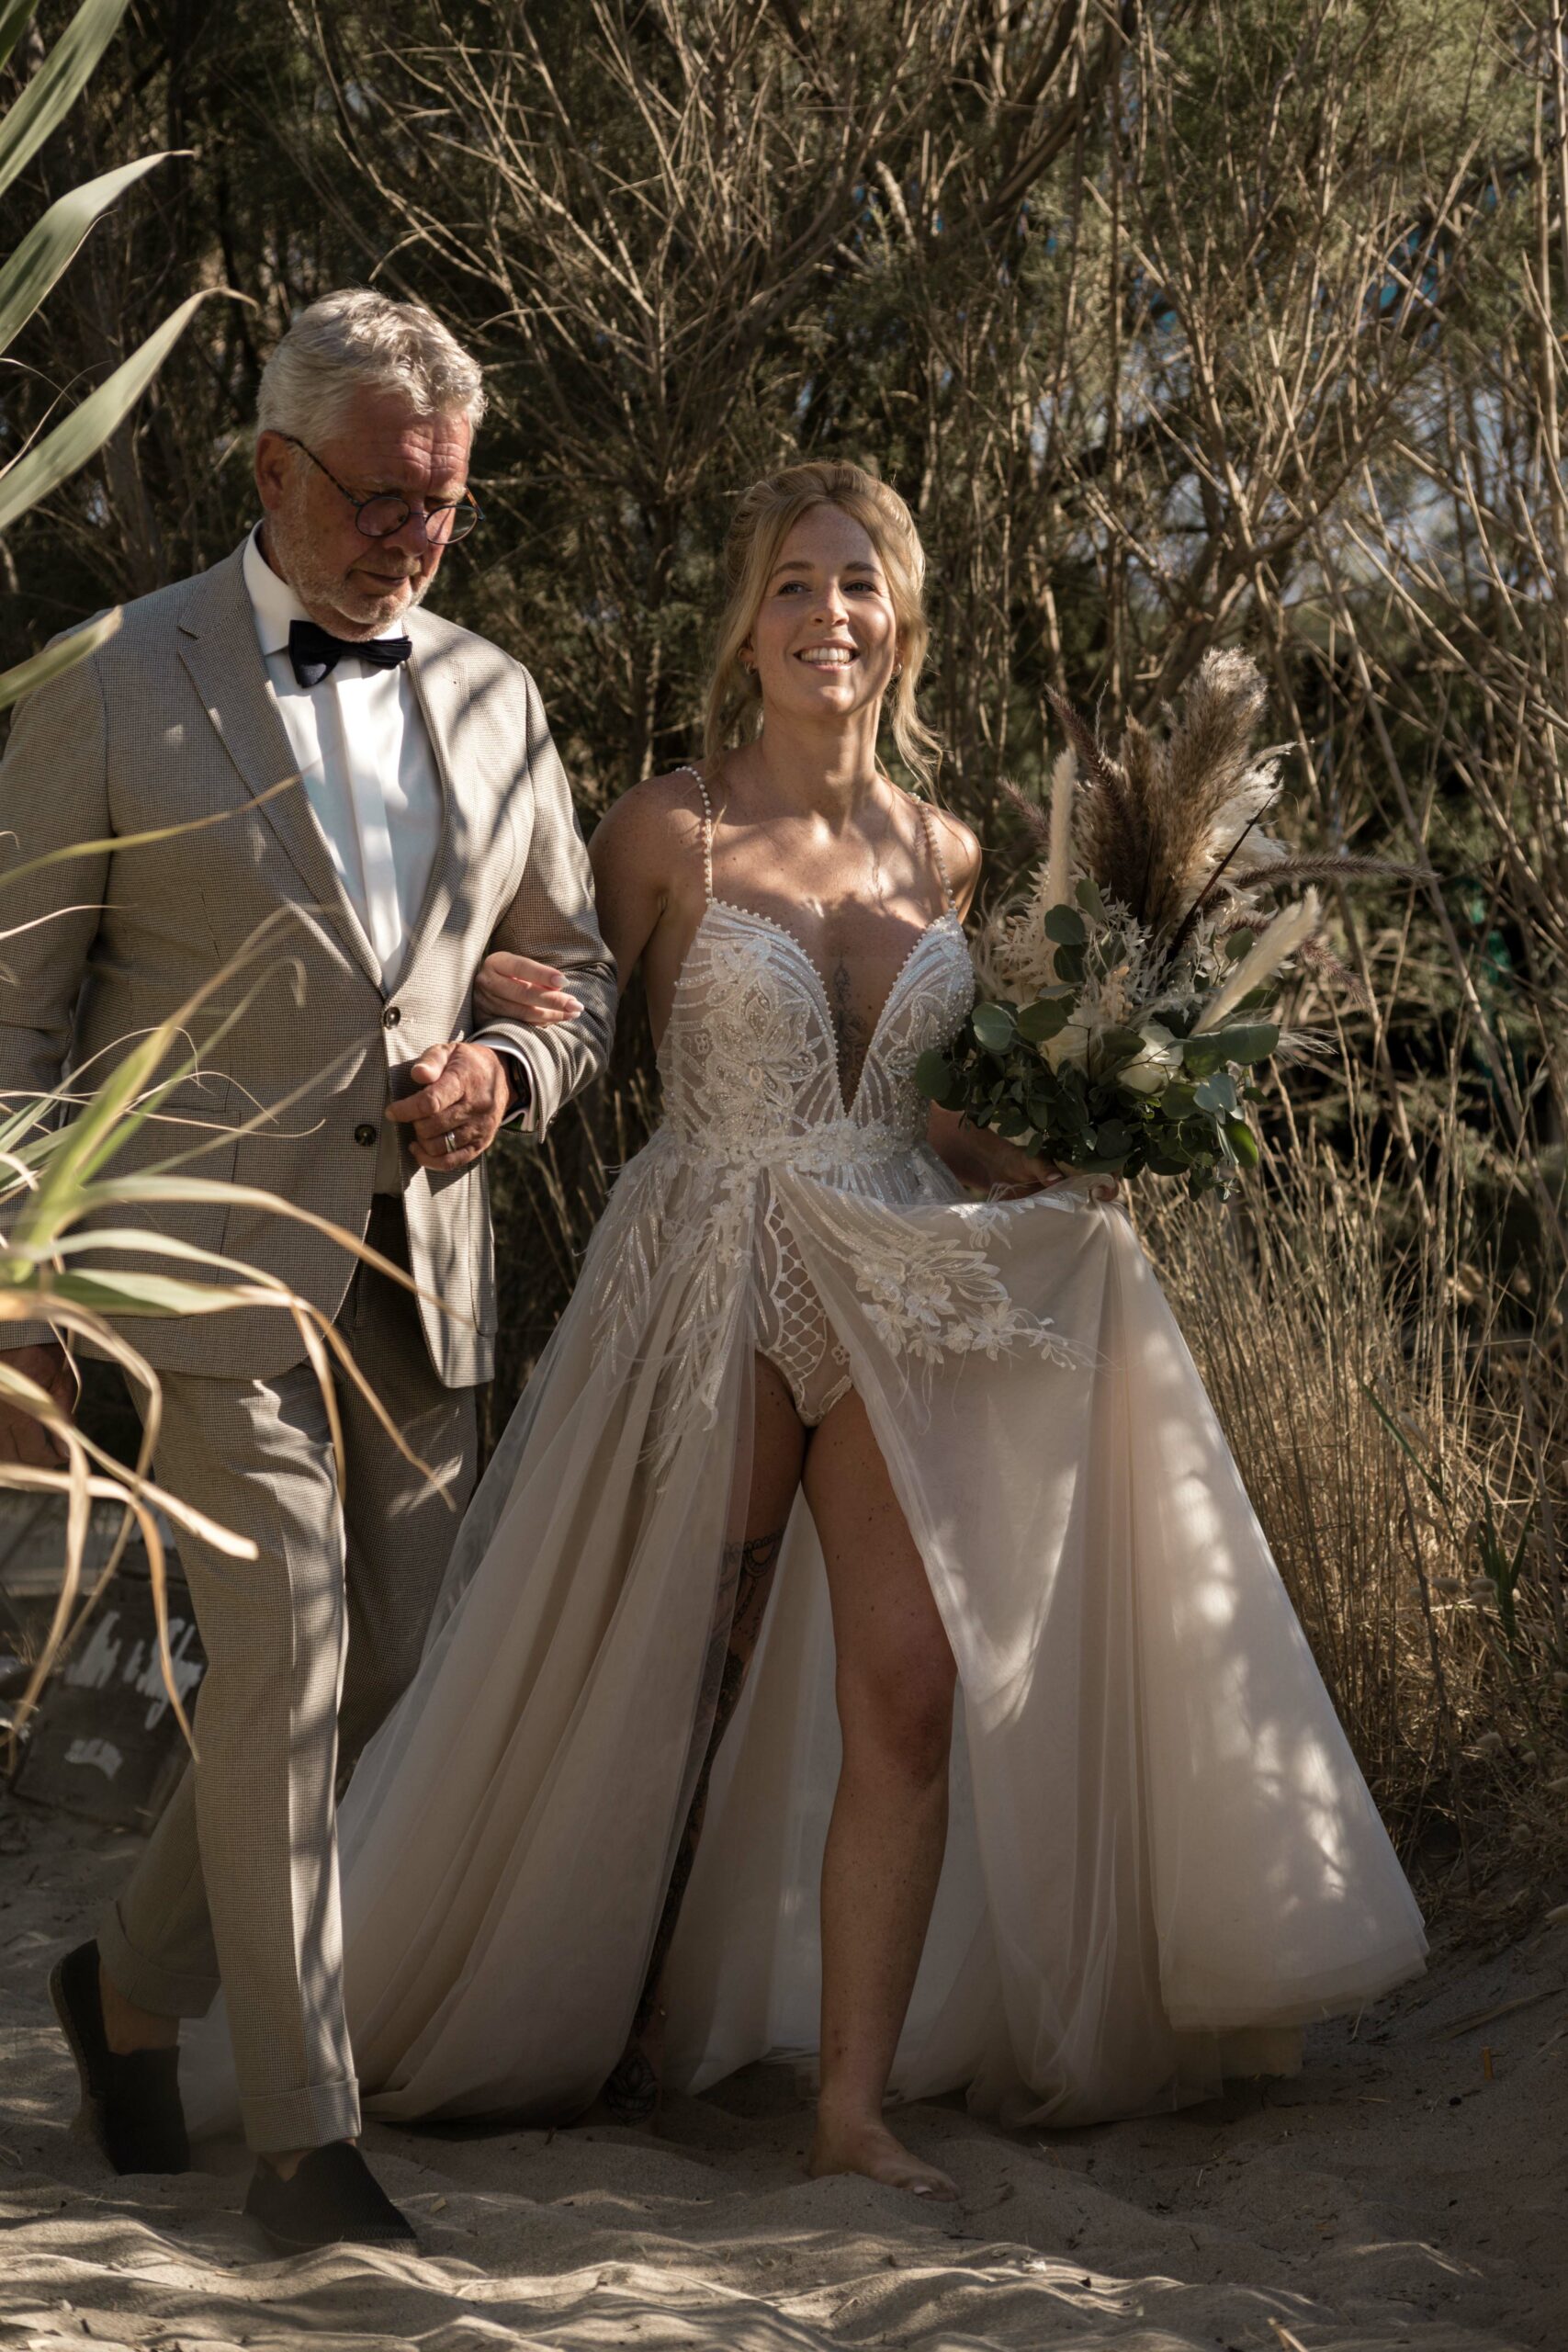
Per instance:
{"type": "Point", "coordinates": [368, 766]}
{"type": "Point", "coordinates": [370, 773]}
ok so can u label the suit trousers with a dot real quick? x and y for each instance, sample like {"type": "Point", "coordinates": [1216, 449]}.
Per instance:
{"type": "Point", "coordinates": [308, 1647]}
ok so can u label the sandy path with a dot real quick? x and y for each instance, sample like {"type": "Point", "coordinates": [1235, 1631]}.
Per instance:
{"type": "Point", "coordinates": [1393, 2197]}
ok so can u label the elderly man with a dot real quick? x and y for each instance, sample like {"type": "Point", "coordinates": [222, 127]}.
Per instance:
{"type": "Point", "coordinates": [429, 822]}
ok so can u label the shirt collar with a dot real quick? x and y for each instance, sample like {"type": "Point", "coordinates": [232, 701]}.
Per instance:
{"type": "Point", "coordinates": [275, 605]}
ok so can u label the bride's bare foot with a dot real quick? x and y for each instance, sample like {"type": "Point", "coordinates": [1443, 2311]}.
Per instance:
{"type": "Point", "coordinates": [864, 2145]}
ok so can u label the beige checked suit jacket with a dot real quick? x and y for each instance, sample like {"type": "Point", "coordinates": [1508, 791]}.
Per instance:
{"type": "Point", "coordinates": [173, 720]}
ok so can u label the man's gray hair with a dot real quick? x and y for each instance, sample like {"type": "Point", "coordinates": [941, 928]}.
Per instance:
{"type": "Point", "coordinates": [357, 340]}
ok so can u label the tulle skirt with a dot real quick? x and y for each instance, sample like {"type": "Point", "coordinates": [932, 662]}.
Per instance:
{"type": "Point", "coordinates": [1163, 1859]}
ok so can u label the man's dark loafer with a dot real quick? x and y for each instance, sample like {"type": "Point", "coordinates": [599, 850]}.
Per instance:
{"type": "Point", "coordinates": [332, 2199]}
{"type": "Point", "coordinates": [131, 2105]}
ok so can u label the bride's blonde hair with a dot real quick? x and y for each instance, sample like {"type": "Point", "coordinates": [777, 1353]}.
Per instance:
{"type": "Point", "coordinates": [763, 520]}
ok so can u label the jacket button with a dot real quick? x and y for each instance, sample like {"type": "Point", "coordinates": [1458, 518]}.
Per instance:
{"type": "Point", "coordinates": [364, 1133]}
{"type": "Point", "coordinates": [391, 1017]}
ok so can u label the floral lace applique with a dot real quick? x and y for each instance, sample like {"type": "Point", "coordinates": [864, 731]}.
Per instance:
{"type": "Point", "coordinates": [697, 1244]}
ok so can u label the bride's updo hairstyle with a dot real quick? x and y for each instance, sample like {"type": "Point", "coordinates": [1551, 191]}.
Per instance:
{"type": "Point", "coordinates": [763, 520]}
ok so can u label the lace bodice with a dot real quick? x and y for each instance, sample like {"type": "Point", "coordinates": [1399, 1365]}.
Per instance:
{"type": "Point", "coordinates": [750, 1062]}
{"type": "Point", "coordinates": [761, 1179]}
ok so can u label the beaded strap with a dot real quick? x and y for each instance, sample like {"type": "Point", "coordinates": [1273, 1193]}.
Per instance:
{"type": "Point", "coordinates": [686, 768]}
{"type": "Point", "coordinates": [935, 841]}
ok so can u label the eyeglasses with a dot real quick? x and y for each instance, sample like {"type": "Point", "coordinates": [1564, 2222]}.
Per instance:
{"type": "Point", "coordinates": [380, 516]}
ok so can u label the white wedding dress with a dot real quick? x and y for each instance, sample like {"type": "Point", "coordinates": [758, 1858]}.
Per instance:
{"type": "Point", "coordinates": [1163, 1858]}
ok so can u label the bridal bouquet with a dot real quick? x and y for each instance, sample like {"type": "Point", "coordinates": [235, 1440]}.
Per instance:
{"type": "Point", "coordinates": [1129, 994]}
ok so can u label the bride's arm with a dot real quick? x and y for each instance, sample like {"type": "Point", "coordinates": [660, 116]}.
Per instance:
{"type": "Point", "coordinates": [632, 852]}
{"type": "Point", "coordinates": [975, 1155]}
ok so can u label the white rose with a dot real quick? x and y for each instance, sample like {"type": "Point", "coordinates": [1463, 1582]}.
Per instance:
{"type": "Point", "coordinates": [1156, 1065]}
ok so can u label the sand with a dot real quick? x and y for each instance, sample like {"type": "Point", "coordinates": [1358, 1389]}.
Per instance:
{"type": "Point", "coordinates": [1394, 2195]}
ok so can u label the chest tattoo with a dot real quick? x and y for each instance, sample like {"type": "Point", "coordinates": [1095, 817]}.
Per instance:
{"type": "Point", "coordinates": [851, 1030]}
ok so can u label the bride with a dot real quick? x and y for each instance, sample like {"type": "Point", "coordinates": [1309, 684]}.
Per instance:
{"type": "Point", "coordinates": [865, 1515]}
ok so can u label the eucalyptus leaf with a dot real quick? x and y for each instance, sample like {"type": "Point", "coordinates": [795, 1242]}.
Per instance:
{"type": "Point", "coordinates": [1088, 897]}
{"type": "Point", "coordinates": [1202, 1055]}
{"type": "Point", "coordinates": [935, 1079]}
{"type": "Point", "coordinates": [1047, 1017]}
{"type": "Point", "coordinates": [1120, 1044]}
{"type": "Point", "coordinates": [993, 1026]}
{"type": "Point", "coordinates": [1070, 965]}
{"type": "Point", "coordinates": [1236, 947]}
{"type": "Point", "coordinates": [1065, 927]}
{"type": "Point", "coordinates": [1217, 1092]}
{"type": "Point", "coordinates": [1249, 1041]}
{"type": "Point", "coordinates": [1244, 1143]}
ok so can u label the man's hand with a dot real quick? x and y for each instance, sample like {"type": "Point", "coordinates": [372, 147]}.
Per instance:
{"type": "Point", "coordinates": [22, 1438]}
{"type": "Point", "coordinates": [457, 1113]}
{"type": "Point", "coordinates": [514, 988]}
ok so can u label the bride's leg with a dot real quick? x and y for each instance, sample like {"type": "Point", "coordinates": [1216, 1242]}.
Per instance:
{"type": "Point", "coordinates": [895, 1686]}
{"type": "Point", "coordinates": [778, 1446]}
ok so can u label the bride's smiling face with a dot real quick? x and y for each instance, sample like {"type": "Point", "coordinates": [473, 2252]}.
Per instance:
{"type": "Point", "coordinates": [825, 641]}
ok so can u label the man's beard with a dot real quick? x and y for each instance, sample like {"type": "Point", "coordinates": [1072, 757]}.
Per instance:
{"type": "Point", "coordinates": [327, 591]}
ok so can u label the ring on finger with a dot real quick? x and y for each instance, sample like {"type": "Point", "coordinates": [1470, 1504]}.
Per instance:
{"type": "Point", "coordinates": [448, 1142]}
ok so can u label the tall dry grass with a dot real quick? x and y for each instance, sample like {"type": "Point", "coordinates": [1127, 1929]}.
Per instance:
{"type": "Point", "coordinates": [1399, 1416]}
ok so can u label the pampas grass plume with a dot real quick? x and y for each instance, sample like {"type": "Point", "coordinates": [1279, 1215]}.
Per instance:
{"type": "Point", "coordinates": [1058, 867]}
{"type": "Point", "coordinates": [1288, 931]}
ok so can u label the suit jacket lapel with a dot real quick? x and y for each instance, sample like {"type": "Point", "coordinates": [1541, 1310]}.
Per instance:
{"type": "Point", "coordinates": [438, 689]}
{"type": "Point", "coordinates": [217, 638]}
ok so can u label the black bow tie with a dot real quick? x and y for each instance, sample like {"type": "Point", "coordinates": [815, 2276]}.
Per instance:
{"type": "Point", "coordinates": [316, 652]}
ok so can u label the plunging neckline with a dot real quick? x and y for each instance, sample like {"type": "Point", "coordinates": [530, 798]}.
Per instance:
{"type": "Point", "coordinates": [772, 923]}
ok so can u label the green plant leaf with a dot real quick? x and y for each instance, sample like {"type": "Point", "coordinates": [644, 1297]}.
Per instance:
{"type": "Point", "coordinates": [58, 82]}
{"type": "Point", "coordinates": [1204, 1054]}
{"type": "Point", "coordinates": [935, 1079]}
{"type": "Point", "coordinates": [14, 16]}
{"type": "Point", "coordinates": [129, 1293]}
{"type": "Point", "coordinates": [50, 245]}
{"type": "Point", "coordinates": [26, 675]}
{"type": "Point", "coordinates": [1070, 965]}
{"type": "Point", "coordinates": [1244, 1143]}
{"type": "Point", "coordinates": [1045, 1018]}
{"type": "Point", "coordinates": [1088, 897]}
{"type": "Point", "coordinates": [1120, 1046]}
{"type": "Point", "coordinates": [1249, 1041]}
{"type": "Point", "coordinates": [1217, 1092]}
{"type": "Point", "coordinates": [1065, 927]}
{"type": "Point", "coordinates": [993, 1026]}
{"type": "Point", "coordinates": [54, 459]}
{"type": "Point", "coordinates": [1236, 947]}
